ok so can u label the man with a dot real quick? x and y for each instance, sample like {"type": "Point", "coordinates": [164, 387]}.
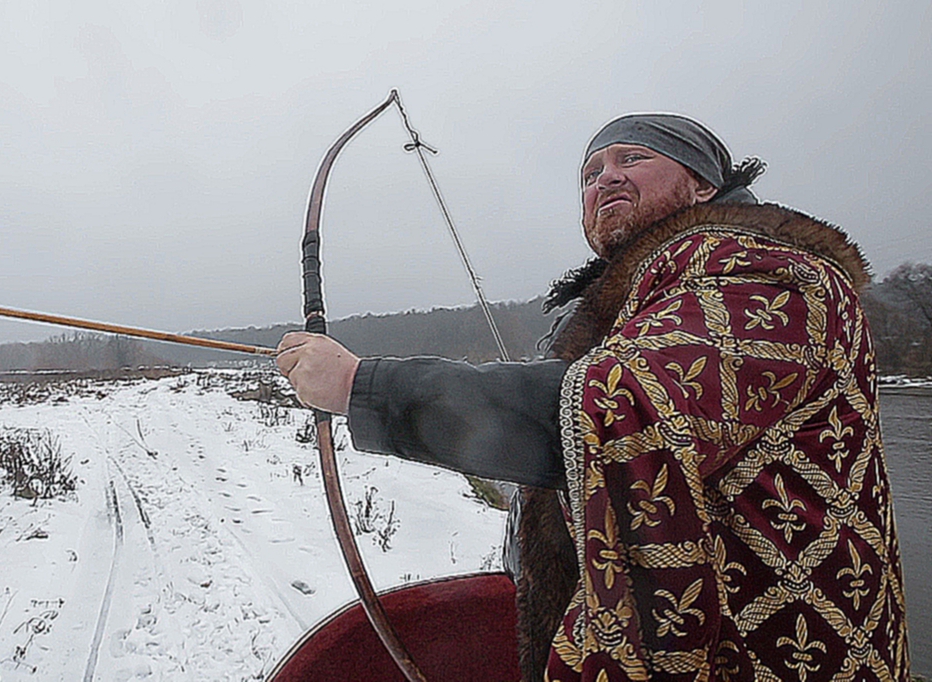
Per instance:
{"type": "Point", "coordinates": [709, 420]}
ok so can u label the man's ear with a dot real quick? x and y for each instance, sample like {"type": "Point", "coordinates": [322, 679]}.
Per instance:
{"type": "Point", "coordinates": [706, 191]}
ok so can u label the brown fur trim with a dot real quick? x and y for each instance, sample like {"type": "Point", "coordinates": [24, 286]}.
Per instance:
{"type": "Point", "coordinates": [601, 303]}
{"type": "Point", "coordinates": [549, 573]}
{"type": "Point", "coordinates": [548, 577]}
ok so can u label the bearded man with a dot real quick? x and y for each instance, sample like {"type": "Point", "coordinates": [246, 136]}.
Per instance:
{"type": "Point", "coordinates": [707, 427]}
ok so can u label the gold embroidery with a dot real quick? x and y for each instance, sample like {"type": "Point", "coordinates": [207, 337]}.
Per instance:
{"type": "Point", "coordinates": [670, 618]}
{"type": "Point", "coordinates": [763, 607]}
{"type": "Point", "coordinates": [850, 432]}
{"type": "Point", "coordinates": [734, 260]}
{"type": "Point", "coordinates": [609, 560]}
{"type": "Point", "coordinates": [686, 376]}
{"type": "Point", "coordinates": [653, 387]}
{"type": "Point", "coordinates": [611, 393]}
{"type": "Point", "coordinates": [660, 317]}
{"type": "Point", "coordinates": [787, 520]}
{"type": "Point", "coordinates": [725, 566]}
{"type": "Point", "coordinates": [857, 584]}
{"type": "Point", "coordinates": [723, 671]}
{"type": "Point", "coordinates": [758, 399]}
{"type": "Point", "coordinates": [716, 313]}
{"type": "Point", "coordinates": [836, 432]}
{"type": "Point", "coordinates": [643, 513]}
{"type": "Point", "coordinates": [765, 316]}
{"type": "Point", "coordinates": [800, 660]}
{"type": "Point", "coordinates": [595, 479]}
{"type": "Point", "coordinates": [589, 434]}
{"type": "Point", "coordinates": [667, 556]}
{"type": "Point", "coordinates": [567, 650]}
{"type": "Point", "coordinates": [679, 662]}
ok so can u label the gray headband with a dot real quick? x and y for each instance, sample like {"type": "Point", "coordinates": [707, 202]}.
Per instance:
{"type": "Point", "coordinates": [677, 137]}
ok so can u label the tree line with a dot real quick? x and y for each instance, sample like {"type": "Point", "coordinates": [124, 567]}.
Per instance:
{"type": "Point", "coordinates": [899, 309]}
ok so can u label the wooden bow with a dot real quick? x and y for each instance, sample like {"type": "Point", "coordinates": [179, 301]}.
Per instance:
{"type": "Point", "coordinates": [316, 322]}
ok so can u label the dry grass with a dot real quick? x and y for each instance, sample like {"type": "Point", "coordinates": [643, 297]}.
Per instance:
{"type": "Point", "coordinates": [32, 464]}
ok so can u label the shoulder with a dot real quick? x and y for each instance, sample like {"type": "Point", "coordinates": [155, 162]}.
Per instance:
{"type": "Point", "coordinates": [765, 242]}
{"type": "Point", "coordinates": [703, 242]}
{"type": "Point", "coordinates": [779, 227]}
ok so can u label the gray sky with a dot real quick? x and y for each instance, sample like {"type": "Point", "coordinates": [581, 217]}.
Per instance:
{"type": "Point", "coordinates": [155, 157]}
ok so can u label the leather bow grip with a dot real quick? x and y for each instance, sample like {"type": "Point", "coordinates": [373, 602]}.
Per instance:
{"type": "Point", "coordinates": [314, 320]}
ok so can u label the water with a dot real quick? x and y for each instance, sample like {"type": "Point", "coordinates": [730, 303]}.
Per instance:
{"type": "Point", "coordinates": [906, 419]}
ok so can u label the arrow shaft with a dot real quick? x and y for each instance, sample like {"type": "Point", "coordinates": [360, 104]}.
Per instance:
{"type": "Point", "coordinates": [108, 328]}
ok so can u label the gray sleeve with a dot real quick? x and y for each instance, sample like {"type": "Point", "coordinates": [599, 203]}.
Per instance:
{"type": "Point", "coordinates": [497, 420]}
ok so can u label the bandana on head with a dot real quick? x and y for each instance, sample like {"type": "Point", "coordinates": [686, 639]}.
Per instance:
{"type": "Point", "coordinates": [684, 140]}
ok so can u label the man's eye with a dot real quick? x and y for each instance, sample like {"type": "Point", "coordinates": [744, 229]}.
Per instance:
{"type": "Point", "coordinates": [632, 158]}
{"type": "Point", "coordinates": [590, 176]}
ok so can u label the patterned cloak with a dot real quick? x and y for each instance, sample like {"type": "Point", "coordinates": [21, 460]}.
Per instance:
{"type": "Point", "coordinates": [728, 500]}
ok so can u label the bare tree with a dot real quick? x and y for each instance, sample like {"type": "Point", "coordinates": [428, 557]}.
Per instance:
{"type": "Point", "coordinates": [913, 283]}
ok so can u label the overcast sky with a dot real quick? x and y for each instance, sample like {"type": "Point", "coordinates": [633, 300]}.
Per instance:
{"type": "Point", "coordinates": [155, 157]}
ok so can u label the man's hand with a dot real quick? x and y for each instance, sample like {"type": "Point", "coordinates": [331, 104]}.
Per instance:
{"type": "Point", "coordinates": [319, 368]}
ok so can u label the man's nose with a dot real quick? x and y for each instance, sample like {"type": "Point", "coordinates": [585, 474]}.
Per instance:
{"type": "Point", "coordinates": [610, 176]}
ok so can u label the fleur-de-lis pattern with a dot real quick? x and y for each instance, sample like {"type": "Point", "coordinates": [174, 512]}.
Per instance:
{"type": "Point", "coordinates": [788, 520]}
{"type": "Point", "coordinates": [665, 317]}
{"type": "Point", "coordinates": [725, 567]}
{"type": "Point", "coordinates": [836, 432]}
{"type": "Point", "coordinates": [608, 560]}
{"type": "Point", "coordinates": [686, 377]}
{"type": "Point", "coordinates": [858, 570]}
{"type": "Point", "coordinates": [648, 509]}
{"type": "Point", "coordinates": [611, 393]}
{"type": "Point", "coordinates": [727, 482]}
{"type": "Point", "coordinates": [768, 313]}
{"type": "Point", "coordinates": [770, 392]}
{"type": "Point", "coordinates": [802, 656]}
{"type": "Point", "coordinates": [673, 616]}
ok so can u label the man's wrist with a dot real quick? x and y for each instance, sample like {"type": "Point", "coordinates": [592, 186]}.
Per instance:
{"type": "Point", "coordinates": [349, 382]}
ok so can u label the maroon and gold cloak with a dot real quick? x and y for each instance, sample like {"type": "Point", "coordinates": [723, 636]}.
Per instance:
{"type": "Point", "coordinates": [728, 498]}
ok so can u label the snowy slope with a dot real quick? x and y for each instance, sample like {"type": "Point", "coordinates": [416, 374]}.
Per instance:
{"type": "Point", "coordinates": [192, 551]}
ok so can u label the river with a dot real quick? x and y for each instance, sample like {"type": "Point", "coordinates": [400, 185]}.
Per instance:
{"type": "Point", "coordinates": [906, 421]}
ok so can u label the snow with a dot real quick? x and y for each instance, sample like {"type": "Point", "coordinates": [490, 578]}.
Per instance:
{"type": "Point", "coordinates": [892, 381]}
{"type": "Point", "coordinates": [191, 551]}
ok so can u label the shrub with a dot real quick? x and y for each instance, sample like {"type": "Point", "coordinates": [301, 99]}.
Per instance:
{"type": "Point", "coordinates": [488, 492]}
{"type": "Point", "coordinates": [31, 463]}
{"type": "Point", "coordinates": [368, 517]}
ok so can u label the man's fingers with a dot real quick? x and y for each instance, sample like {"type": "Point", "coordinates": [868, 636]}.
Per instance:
{"type": "Point", "coordinates": [294, 340]}
{"type": "Point", "coordinates": [319, 368]}
{"type": "Point", "coordinates": [286, 360]}
{"type": "Point", "coordinates": [286, 353]}
{"type": "Point", "coordinates": [298, 389]}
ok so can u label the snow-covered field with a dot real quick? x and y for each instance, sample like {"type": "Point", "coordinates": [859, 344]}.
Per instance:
{"type": "Point", "coordinates": [192, 550]}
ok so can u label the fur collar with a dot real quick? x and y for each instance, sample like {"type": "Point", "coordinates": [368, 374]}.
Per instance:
{"type": "Point", "coordinates": [605, 296]}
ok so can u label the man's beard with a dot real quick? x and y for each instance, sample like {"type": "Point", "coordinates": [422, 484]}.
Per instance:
{"type": "Point", "coordinates": [614, 231]}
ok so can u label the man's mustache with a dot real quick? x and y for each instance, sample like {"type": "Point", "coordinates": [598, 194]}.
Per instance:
{"type": "Point", "coordinates": [618, 195]}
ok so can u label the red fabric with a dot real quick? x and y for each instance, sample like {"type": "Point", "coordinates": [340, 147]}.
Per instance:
{"type": "Point", "coordinates": [454, 629]}
{"type": "Point", "coordinates": [728, 489]}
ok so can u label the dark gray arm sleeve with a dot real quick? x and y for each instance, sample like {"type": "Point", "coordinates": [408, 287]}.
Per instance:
{"type": "Point", "coordinates": [497, 420]}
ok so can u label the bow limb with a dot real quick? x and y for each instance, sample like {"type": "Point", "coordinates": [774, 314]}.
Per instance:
{"type": "Point", "coordinates": [316, 322]}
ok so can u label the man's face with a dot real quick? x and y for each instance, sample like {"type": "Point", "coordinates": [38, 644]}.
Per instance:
{"type": "Point", "coordinates": [627, 187]}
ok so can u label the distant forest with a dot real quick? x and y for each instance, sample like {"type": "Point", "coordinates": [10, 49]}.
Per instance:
{"type": "Point", "coordinates": [899, 309]}
{"type": "Point", "coordinates": [458, 333]}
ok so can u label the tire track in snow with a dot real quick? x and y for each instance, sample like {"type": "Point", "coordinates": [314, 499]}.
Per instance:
{"type": "Point", "coordinates": [137, 500]}
{"type": "Point", "coordinates": [260, 569]}
{"type": "Point", "coordinates": [113, 513]}
{"type": "Point", "coordinates": [140, 508]}
{"type": "Point", "coordinates": [116, 512]}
